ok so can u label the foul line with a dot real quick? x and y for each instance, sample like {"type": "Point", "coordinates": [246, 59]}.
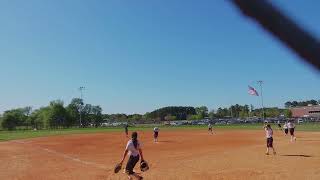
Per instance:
{"type": "Point", "coordinates": [100, 166]}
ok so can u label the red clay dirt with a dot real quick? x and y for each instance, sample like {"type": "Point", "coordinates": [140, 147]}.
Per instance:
{"type": "Point", "coordinates": [183, 154]}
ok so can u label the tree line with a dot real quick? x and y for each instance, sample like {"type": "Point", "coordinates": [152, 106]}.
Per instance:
{"type": "Point", "coordinates": [57, 115]}
{"type": "Point", "coordinates": [289, 104]}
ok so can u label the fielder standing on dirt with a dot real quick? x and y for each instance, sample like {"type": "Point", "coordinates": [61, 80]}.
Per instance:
{"type": "Point", "coordinates": [135, 152]}
{"type": "Point", "coordinates": [285, 127]}
{"type": "Point", "coordinates": [269, 134]}
{"type": "Point", "coordinates": [126, 129]}
{"type": "Point", "coordinates": [155, 134]}
{"type": "Point", "coordinates": [279, 125]}
{"type": "Point", "coordinates": [210, 128]}
{"type": "Point", "coordinates": [291, 127]}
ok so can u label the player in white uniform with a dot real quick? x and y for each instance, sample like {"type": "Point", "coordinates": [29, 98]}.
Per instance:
{"type": "Point", "coordinates": [134, 149]}
{"type": "Point", "coordinates": [269, 134]}
{"type": "Point", "coordinates": [291, 127]}
{"type": "Point", "coordinates": [210, 128]}
{"type": "Point", "coordinates": [155, 134]}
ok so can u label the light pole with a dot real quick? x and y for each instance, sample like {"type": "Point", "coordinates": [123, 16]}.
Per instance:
{"type": "Point", "coordinates": [260, 84]}
{"type": "Point", "coordinates": [81, 94]}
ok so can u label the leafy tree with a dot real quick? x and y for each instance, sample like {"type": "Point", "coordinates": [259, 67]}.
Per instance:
{"type": "Point", "coordinates": [313, 102]}
{"type": "Point", "coordinates": [212, 114]}
{"type": "Point", "coordinates": [10, 120]}
{"type": "Point", "coordinates": [195, 117]}
{"type": "Point", "coordinates": [272, 112]}
{"type": "Point", "coordinates": [96, 113]}
{"type": "Point", "coordinates": [15, 117]}
{"type": "Point", "coordinates": [169, 117]}
{"type": "Point", "coordinates": [300, 103]}
{"type": "Point", "coordinates": [202, 111]}
{"type": "Point", "coordinates": [135, 117]}
{"type": "Point", "coordinates": [287, 104]}
{"type": "Point", "coordinates": [294, 103]}
{"type": "Point", "coordinates": [73, 109]}
{"type": "Point", "coordinates": [57, 114]}
{"type": "Point", "coordinates": [222, 112]}
{"type": "Point", "coordinates": [147, 116]}
{"type": "Point", "coordinates": [180, 112]}
{"type": "Point", "coordinates": [243, 114]}
{"type": "Point", "coordinates": [288, 113]}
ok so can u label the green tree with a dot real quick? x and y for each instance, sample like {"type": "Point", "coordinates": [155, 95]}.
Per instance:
{"type": "Point", "coordinates": [212, 114]}
{"type": "Point", "coordinates": [288, 113]}
{"type": "Point", "coordinates": [287, 104]}
{"type": "Point", "coordinates": [222, 112]}
{"type": "Point", "coordinates": [202, 111]}
{"type": "Point", "coordinates": [10, 120]}
{"type": "Point", "coordinates": [96, 112]}
{"type": "Point", "coordinates": [195, 117]}
{"type": "Point", "coordinates": [243, 114]}
{"type": "Point", "coordinates": [57, 115]}
{"type": "Point", "coordinates": [135, 117]}
{"type": "Point", "coordinates": [170, 117]}
{"type": "Point", "coordinates": [73, 109]}
{"type": "Point", "coordinates": [180, 112]}
{"type": "Point", "coordinates": [15, 117]}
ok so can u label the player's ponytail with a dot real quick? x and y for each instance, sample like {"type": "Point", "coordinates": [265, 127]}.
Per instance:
{"type": "Point", "coordinates": [134, 137]}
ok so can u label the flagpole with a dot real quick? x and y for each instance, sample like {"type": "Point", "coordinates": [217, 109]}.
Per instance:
{"type": "Point", "coordinates": [81, 96]}
{"type": "Point", "coordinates": [260, 84]}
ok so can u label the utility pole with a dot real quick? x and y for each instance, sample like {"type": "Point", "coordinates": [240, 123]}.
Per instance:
{"type": "Point", "coordinates": [81, 96]}
{"type": "Point", "coordinates": [260, 84]}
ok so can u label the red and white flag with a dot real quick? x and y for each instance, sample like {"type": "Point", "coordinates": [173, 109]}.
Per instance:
{"type": "Point", "coordinates": [252, 91]}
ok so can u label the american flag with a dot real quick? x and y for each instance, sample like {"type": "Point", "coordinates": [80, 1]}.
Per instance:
{"type": "Point", "coordinates": [252, 91]}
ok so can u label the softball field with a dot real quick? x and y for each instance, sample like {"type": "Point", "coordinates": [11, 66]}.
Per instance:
{"type": "Point", "coordinates": [180, 154]}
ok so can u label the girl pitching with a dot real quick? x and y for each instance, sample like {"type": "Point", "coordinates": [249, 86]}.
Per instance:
{"type": "Point", "coordinates": [269, 134]}
{"type": "Point", "coordinates": [134, 149]}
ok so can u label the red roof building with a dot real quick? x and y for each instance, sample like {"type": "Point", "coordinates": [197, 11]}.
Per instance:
{"type": "Point", "coordinates": [306, 111]}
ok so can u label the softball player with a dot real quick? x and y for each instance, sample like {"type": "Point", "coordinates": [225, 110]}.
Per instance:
{"type": "Point", "coordinates": [210, 128]}
{"type": "Point", "coordinates": [285, 127]}
{"type": "Point", "coordinates": [279, 125]}
{"type": "Point", "coordinates": [269, 134]}
{"type": "Point", "coordinates": [126, 129]}
{"type": "Point", "coordinates": [155, 134]}
{"type": "Point", "coordinates": [291, 127]}
{"type": "Point", "coordinates": [134, 149]}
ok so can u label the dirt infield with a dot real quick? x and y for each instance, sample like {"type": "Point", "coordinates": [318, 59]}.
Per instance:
{"type": "Point", "coordinates": [182, 154]}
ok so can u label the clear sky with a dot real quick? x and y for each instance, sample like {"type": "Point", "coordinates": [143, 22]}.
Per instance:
{"type": "Point", "coordinates": [137, 55]}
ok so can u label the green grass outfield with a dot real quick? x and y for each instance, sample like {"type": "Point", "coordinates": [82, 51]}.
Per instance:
{"type": "Point", "coordinates": [23, 134]}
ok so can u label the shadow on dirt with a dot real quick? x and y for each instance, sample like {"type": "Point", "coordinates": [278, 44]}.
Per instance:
{"type": "Point", "coordinates": [297, 155]}
{"type": "Point", "coordinates": [166, 141]}
{"type": "Point", "coordinates": [309, 140]}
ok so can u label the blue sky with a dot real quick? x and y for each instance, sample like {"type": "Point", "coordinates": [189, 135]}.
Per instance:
{"type": "Point", "coordinates": [135, 56]}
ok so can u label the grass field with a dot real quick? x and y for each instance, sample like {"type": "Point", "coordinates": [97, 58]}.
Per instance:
{"type": "Point", "coordinates": [24, 134]}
